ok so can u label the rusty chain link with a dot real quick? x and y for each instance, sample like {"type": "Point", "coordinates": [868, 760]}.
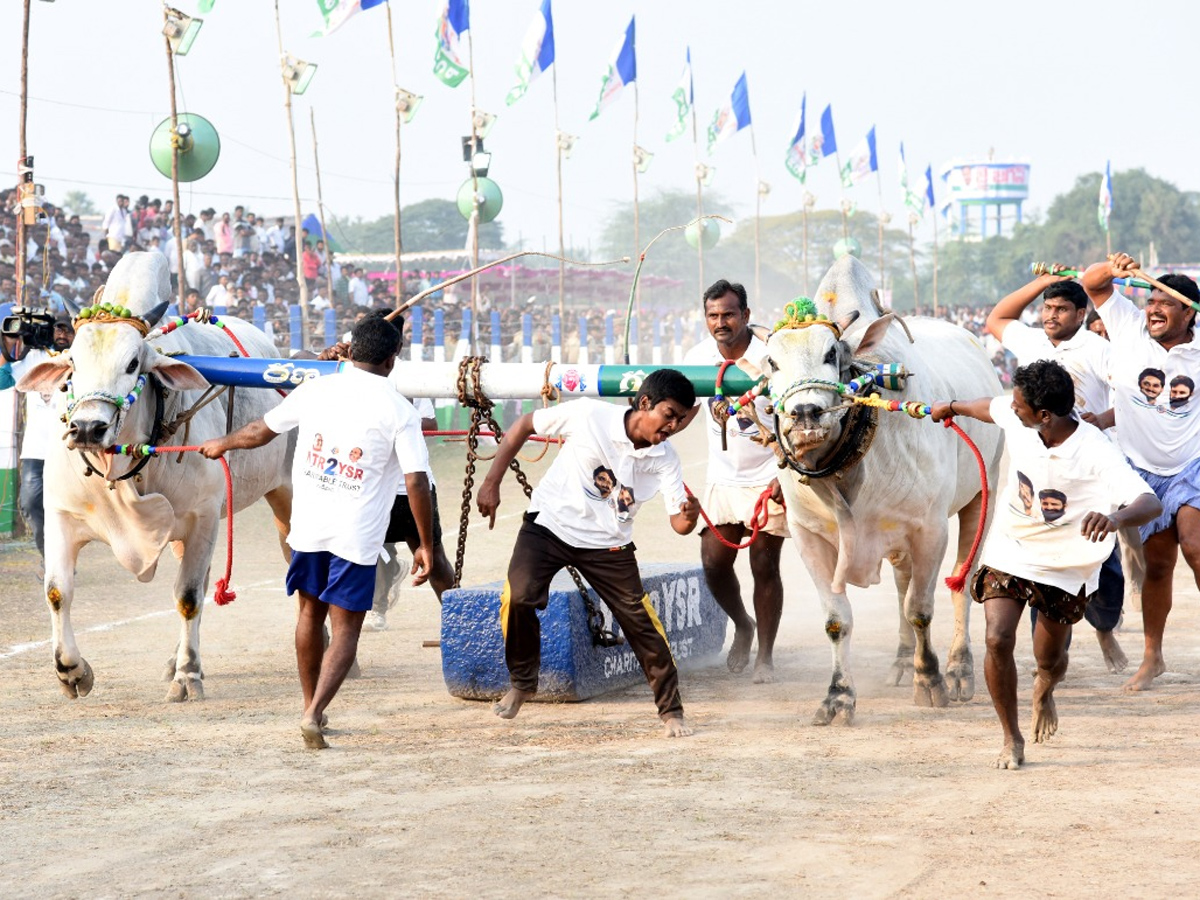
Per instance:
{"type": "Point", "coordinates": [481, 413]}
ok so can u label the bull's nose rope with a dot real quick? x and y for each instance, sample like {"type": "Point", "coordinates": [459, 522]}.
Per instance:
{"type": "Point", "coordinates": [221, 591]}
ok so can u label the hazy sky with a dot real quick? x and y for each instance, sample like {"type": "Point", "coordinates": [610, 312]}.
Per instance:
{"type": "Point", "coordinates": [1064, 86]}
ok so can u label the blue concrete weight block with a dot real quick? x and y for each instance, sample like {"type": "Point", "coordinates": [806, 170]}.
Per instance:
{"type": "Point", "coordinates": [572, 668]}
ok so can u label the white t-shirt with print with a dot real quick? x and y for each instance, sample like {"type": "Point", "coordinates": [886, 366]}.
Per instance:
{"type": "Point", "coordinates": [425, 410]}
{"type": "Point", "coordinates": [1084, 355]}
{"type": "Point", "coordinates": [745, 462]}
{"type": "Point", "coordinates": [1157, 433]}
{"type": "Point", "coordinates": [357, 437]}
{"type": "Point", "coordinates": [598, 481]}
{"type": "Point", "coordinates": [1036, 531]}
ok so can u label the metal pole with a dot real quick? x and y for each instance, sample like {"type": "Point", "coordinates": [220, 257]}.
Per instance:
{"type": "Point", "coordinates": [287, 104]}
{"type": "Point", "coordinates": [312, 118]}
{"type": "Point", "coordinates": [176, 226]}
{"type": "Point", "coordinates": [397, 238]}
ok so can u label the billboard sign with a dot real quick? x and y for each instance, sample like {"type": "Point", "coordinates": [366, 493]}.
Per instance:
{"type": "Point", "coordinates": [986, 182]}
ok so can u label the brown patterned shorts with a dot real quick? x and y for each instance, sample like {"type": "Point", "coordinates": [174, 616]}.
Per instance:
{"type": "Point", "coordinates": [1054, 603]}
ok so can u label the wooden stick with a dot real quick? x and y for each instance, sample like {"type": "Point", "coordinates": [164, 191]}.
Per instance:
{"type": "Point", "coordinates": [1138, 273]}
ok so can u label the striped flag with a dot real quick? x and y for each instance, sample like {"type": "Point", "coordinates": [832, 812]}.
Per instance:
{"type": "Point", "coordinates": [622, 70]}
{"type": "Point", "coordinates": [914, 201]}
{"type": "Point", "coordinates": [1104, 211]}
{"type": "Point", "coordinates": [862, 161]}
{"type": "Point", "coordinates": [537, 52]}
{"type": "Point", "coordinates": [797, 161]}
{"type": "Point", "coordinates": [684, 96]}
{"type": "Point", "coordinates": [733, 116]}
{"type": "Point", "coordinates": [454, 21]}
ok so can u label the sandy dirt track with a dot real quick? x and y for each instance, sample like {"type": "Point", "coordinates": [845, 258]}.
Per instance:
{"type": "Point", "coordinates": [121, 794]}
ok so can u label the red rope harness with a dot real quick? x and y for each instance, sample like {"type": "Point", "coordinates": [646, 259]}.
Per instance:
{"type": "Point", "coordinates": [758, 520]}
{"type": "Point", "coordinates": [958, 581]}
{"type": "Point", "coordinates": [222, 593]}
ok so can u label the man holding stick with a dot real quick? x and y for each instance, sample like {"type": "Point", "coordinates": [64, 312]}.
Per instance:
{"type": "Point", "coordinates": [1161, 441]}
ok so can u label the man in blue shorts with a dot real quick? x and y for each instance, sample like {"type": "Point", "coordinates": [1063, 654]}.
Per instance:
{"type": "Point", "coordinates": [343, 485]}
{"type": "Point", "coordinates": [1152, 350]}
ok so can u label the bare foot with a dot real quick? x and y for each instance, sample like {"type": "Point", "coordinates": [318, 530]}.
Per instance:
{"type": "Point", "coordinates": [1114, 656]}
{"type": "Point", "coordinates": [764, 673]}
{"type": "Point", "coordinates": [675, 726]}
{"type": "Point", "coordinates": [1143, 678]}
{"type": "Point", "coordinates": [510, 704]}
{"type": "Point", "coordinates": [739, 653]}
{"type": "Point", "coordinates": [1011, 757]}
{"type": "Point", "coordinates": [314, 737]}
{"type": "Point", "coordinates": [1045, 713]}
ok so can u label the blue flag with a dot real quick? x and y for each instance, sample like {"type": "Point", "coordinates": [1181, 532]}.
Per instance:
{"type": "Point", "coordinates": [929, 187]}
{"type": "Point", "coordinates": [537, 52]}
{"type": "Point", "coordinates": [1105, 208]}
{"type": "Point", "coordinates": [733, 116]}
{"type": "Point", "coordinates": [796, 160]}
{"type": "Point", "coordinates": [861, 162]}
{"type": "Point", "coordinates": [622, 70]}
{"type": "Point", "coordinates": [825, 143]}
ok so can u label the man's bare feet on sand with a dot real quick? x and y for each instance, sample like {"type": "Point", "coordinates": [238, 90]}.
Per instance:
{"type": "Point", "coordinates": [1011, 757]}
{"type": "Point", "coordinates": [764, 673]}
{"type": "Point", "coordinates": [739, 653]}
{"type": "Point", "coordinates": [675, 726]}
{"type": "Point", "coordinates": [1114, 656]}
{"type": "Point", "coordinates": [510, 704]}
{"type": "Point", "coordinates": [1045, 713]}
{"type": "Point", "coordinates": [1143, 678]}
{"type": "Point", "coordinates": [314, 737]}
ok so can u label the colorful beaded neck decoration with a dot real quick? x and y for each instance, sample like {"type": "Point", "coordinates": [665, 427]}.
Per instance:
{"type": "Point", "coordinates": [107, 313]}
{"type": "Point", "coordinates": [801, 313]}
{"type": "Point", "coordinates": [121, 403]}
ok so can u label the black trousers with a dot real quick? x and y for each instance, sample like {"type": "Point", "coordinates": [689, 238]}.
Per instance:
{"type": "Point", "coordinates": [537, 557]}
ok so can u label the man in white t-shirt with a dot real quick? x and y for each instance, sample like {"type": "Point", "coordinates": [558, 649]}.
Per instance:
{"type": "Point", "coordinates": [740, 470]}
{"type": "Point", "coordinates": [581, 514]}
{"type": "Point", "coordinates": [1064, 338]}
{"type": "Point", "coordinates": [1158, 432]}
{"type": "Point", "coordinates": [357, 438]}
{"type": "Point", "coordinates": [1069, 490]}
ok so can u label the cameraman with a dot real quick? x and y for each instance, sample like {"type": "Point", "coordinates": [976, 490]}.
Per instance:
{"type": "Point", "coordinates": [41, 425]}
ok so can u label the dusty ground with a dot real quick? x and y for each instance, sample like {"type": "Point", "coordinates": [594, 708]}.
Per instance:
{"type": "Point", "coordinates": [121, 794]}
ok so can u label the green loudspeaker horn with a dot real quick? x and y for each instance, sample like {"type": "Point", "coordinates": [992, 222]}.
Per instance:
{"type": "Point", "coordinates": [491, 199]}
{"type": "Point", "coordinates": [199, 147]}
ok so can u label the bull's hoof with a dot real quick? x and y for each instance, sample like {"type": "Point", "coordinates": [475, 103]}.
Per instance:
{"type": "Point", "coordinates": [960, 680]}
{"type": "Point", "coordinates": [839, 702]}
{"type": "Point", "coordinates": [901, 670]}
{"type": "Point", "coordinates": [77, 681]}
{"type": "Point", "coordinates": [930, 690]}
{"type": "Point", "coordinates": [185, 688]}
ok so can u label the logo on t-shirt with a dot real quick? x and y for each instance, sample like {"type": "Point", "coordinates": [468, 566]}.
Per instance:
{"type": "Point", "coordinates": [607, 489]}
{"type": "Point", "coordinates": [1052, 503]}
{"type": "Point", "coordinates": [333, 472]}
{"type": "Point", "coordinates": [1153, 383]}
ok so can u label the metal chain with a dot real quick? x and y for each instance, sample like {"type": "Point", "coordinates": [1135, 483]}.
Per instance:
{"type": "Point", "coordinates": [481, 412]}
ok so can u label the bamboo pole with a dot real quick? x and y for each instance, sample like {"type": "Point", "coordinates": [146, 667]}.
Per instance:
{"type": "Point", "coordinates": [837, 160]}
{"type": "Point", "coordinates": [473, 225]}
{"type": "Point", "coordinates": [176, 226]}
{"type": "Point", "coordinates": [912, 259]}
{"type": "Point", "coordinates": [21, 151]}
{"type": "Point", "coordinates": [287, 103]}
{"type": "Point", "coordinates": [699, 170]}
{"type": "Point", "coordinates": [758, 194]}
{"type": "Point", "coordinates": [558, 150]}
{"type": "Point", "coordinates": [637, 243]}
{"type": "Point", "coordinates": [312, 117]}
{"type": "Point", "coordinates": [935, 261]}
{"type": "Point", "coordinates": [398, 240]}
{"type": "Point", "coordinates": [884, 218]}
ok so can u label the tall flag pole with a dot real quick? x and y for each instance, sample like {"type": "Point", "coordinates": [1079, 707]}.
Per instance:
{"type": "Point", "coordinates": [405, 104]}
{"type": "Point", "coordinates": [862, 162]}
{"type": "Point", "coordinates": [537, 55]}
{"type": "Point", "coordinates": [826, 147]}
{"type": "Point", "coordinates": [729, 120]}
{"type": "Point", "coordinates": [798, 161]}
{"type": "Point", "coordinates": [684, 97]}
{"type": "Point", "coordinates": [929, 202]}
{"type": "Point", "coordinates": [915, 204]}
{"type": "Point", "coordinates": [303, 285]}
{"type": "Point", "coordinates": [1106, 201]}
{"type": "Point", "coordinates": [622, 70]}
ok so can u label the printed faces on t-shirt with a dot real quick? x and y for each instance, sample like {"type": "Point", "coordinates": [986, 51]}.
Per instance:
{"type": "Point", "coordinates": [1167, 393]}
{"type": "Point", "coordinates": [1047, 504]}
{"type": "Point", "coordinates": [334, 468]}
{"type": "Point", "coordinates": [608, 491]}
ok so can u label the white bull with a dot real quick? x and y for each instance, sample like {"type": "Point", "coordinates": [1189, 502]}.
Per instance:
{"type": "Point", "coordinates": [894, 503]}
{"type": "Point", "coordinates": [170, 499]}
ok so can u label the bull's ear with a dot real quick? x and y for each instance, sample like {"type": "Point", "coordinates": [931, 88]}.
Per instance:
{"type": "Point", "coordinates": [873, 336]}
{"type": "Point", "coordinates": [849, 319]}
{"type": "Point", "coordinates": [762, 332]}
{"type": "Point", "coordinates": [46, 376]}
{"type": "Point", "coordinates": [156, 313]}
{"type": "Point", "coordinates": [177, 375]}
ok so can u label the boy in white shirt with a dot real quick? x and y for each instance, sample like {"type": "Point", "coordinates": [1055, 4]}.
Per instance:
{"type": "Point", "coordinates": [581, 515]}
{"type": "Point", "coordinates": [1046, 553]}
{"type": "Point", "coordinates": [357, 437]}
